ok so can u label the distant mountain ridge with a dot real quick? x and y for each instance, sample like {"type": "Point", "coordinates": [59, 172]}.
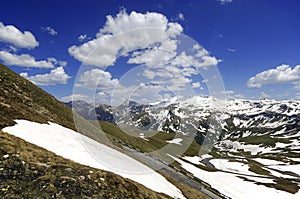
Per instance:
{"type": "Point", "coordinates": [171, 116]}
{"type": "Point", "coordinates": [90, 112]}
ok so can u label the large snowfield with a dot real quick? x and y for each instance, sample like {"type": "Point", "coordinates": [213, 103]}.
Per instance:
{"type": "Point", "coordinates": [231, 185]}
{"type": "Point", "coordinates": [72, 145]}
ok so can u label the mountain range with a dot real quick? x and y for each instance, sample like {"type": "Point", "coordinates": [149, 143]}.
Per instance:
{"type": "Point", "coordinates": [262, 136]}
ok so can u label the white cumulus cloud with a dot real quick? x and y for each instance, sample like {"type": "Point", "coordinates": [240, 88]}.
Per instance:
{"type": "Point", "coordinates": [56, 76]}
{"type": "Point", "coordinates": [148, 41]}
{"type": "Point", "coordinates": [11, 35]}
{"type": "Point", "coordinates": [57, 62]}
{"type": "Point", "coordinates": [24, 60]}
{"type": "Point", "coordinates": [96, 77]}
{"type": "Point", "coordinates": [109, 43]}
{"type": "Point", "coordinates": [281, 74]}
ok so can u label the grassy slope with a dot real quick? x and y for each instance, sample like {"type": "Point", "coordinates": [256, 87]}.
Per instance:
{"type": "Point", "coordinates": [154, 143]}
{"type": "Point", "coordinates": [28, 171]}
{"type": "Point", "coordinates": [20, 99]}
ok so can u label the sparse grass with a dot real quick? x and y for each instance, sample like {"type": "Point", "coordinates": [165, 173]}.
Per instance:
{"type": "Point", "coordinates": [28, 171]}
{"type": "Point", "coordinates": [21, 99]}
{"type": "Point", "coordinates": [258, 170]}
{"type": "Point", "coordinates": [283, 185]}
{"type": "Point", "coordinates": [156, 144]}
{"type": "Point", "coordinates": [286, 185]}
{"type": "Point", "coordinates": [264, 140]}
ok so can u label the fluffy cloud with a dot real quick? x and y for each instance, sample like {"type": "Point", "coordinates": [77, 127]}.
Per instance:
{"type": "Point", "coordinates": [56, 76]}
{"type": "Point", "coordinates": [155, 56]}
{"type": "Point", "coordinates": [201, 60]}
{"type": "Point", "coordinates": [24, 60]}
{"type": "Point", "coordinates": [96, 77]}
{"type": "Point", "coordinates": [50, 30]}
{"type": "Point", "coordinates": [10, 34]}
{"type": "Point", "coordinates": [57, 62]}
{"type": "Point", "coordinates": [152, 42]}
{"type": "Point", "coordinates": [139, 31]}
{"type": "Point", "coordinates": [280, 74]}
{"type": "Point", "coordinates": [74, 97]}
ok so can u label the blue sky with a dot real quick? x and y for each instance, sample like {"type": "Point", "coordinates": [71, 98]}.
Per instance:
{"type": "Point", "coordinates": [254, 45]}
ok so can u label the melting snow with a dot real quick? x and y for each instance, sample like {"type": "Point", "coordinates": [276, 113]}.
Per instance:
{"type": "Point", "coordinates": [142, 135]}
{"type": "Point", "coordinates": [253, 149]}
{"type": "Point", "coordinates": [267, 161]}
{"type": "Point", "coordinates": [236, 167]}
{"type": "Point", "coordinates": [72, 145]}
{"type": "Point", "coordinates": [292, 168]}
{"type": "Point", "coordinates": [175, 141]}
{"type": "Point", "coordinates": [233, 186]}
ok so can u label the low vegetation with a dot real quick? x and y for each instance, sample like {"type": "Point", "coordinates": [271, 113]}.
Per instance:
{"type": "Point", "coordinates": [264, 140]}
{"type": "Point", "coordinates": [28, 171]}
{"type": "Point", "coordinates": [156, 143]}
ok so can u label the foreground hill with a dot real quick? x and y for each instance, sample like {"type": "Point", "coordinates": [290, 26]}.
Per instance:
{"type": "Point", "coordinates": [28, 171]}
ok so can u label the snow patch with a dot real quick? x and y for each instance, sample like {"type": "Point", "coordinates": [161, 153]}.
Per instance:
{"type": "Point", "coordinates": [236, 167]}
{"type": "Point", "coordinates": [175, 141]}
{"type": "Point", "coordinates": [234, 187]}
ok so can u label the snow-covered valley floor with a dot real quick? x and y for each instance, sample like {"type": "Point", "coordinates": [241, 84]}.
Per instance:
{"type": "Point", "coordinates": [72, 145]}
